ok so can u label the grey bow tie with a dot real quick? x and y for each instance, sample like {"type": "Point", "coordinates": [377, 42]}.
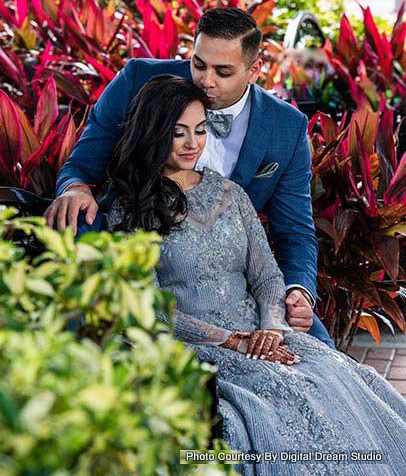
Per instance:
{"type": "Point", "coordinates": [220, 123]}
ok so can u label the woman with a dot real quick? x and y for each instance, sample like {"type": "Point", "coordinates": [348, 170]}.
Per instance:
{"type": "Point", "coordinates": [322, 413]}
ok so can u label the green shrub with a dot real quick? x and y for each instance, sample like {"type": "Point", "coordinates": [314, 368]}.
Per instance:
{"type": "Point", "coordinates": [119, 397]}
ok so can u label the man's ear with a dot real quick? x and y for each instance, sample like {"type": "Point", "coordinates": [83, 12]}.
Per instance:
{"type": "Point", "coordinates": [255, 70]}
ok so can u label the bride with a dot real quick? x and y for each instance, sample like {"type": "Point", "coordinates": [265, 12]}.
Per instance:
{"type": "Point", "coordinates": [280, 392]}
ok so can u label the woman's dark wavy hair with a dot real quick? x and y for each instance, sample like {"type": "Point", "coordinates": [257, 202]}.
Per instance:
{"type": "Point", "coordinates": [148, 199]}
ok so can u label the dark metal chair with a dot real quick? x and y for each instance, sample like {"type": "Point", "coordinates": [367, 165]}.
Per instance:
{"type": "Point", "coordinates": [27, 204]}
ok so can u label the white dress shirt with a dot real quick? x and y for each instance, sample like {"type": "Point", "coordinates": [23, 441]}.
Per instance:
{"type": "Point", "coordinates": [221, 155]}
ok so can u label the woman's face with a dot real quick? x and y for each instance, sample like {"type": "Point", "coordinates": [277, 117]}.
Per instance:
{"type": "Point", "coordinates": [189, 138]}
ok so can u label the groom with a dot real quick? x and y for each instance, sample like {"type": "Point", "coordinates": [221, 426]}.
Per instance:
{"type": "Point", "coordinates": [254, 139]}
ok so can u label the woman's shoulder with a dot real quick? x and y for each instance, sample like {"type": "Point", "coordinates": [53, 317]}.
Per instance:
{"type": "Point", "coordinates": [214, 177]}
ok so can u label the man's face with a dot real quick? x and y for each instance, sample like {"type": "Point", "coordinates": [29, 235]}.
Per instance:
{"type": "Point", "coordinates": [219, 68]}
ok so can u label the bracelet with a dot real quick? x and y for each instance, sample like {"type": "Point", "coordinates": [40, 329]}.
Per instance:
{"type": "Point", "coordinates": [77, 185]}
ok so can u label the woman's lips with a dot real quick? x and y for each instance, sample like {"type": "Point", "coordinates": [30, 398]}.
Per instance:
{"type": "Point", "coordinates": [188, 156]}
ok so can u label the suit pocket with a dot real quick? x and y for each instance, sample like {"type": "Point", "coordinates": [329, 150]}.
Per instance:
{"type": "Point", "coordinates": [267, 171]}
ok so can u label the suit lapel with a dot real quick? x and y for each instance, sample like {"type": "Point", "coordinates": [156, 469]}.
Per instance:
{"type": "Point", "coordinates": [256, 139]}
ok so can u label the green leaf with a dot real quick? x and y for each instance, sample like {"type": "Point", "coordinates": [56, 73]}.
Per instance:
{"type": "Point", "coordinates": [99, 398]}
{"type": "Point", "coordinates": [89, 289]}
{"type": "Point", "coordinates": [15, 277]}
{"type": "Point", "coordinates": [40, 286]}
{"type": "Point", "coordinates": [37, 408]}
{"type": "Point", "coordinates": [147, 313]}
{"type": "Point", "coordinates": [87, 252]}
{"type": "Point", "coordinates": [130, 299]}
{"type": "Point", "coordinates": [52, 240]}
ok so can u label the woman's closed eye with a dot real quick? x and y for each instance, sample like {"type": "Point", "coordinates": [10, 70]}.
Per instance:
{"type": "Point", "coordinates": [183, 134]}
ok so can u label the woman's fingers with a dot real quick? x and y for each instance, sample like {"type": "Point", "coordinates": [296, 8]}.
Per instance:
{"type": "Point", "coordinates": [261, 342]}
{"type": "Point", "coordinates": [283, 356]}
{"type": "Point", "coordinates": [252, 342]}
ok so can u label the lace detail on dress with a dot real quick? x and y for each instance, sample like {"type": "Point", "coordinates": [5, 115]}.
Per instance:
{"type": "Point", "coordinates": [206, 208]}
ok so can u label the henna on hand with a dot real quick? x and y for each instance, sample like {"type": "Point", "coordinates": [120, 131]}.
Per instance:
{"type": "Point", "coordinates": [262, 341]}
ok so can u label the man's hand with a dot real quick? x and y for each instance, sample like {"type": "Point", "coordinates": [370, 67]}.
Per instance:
{"type": "Point", "coordinates": [68, 205]}
{"type": "Point", "coordinates": [299, 311]}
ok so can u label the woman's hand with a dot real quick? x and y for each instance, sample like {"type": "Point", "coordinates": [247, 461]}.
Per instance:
{"type": "Point", "coordinates": [283, 355]}
{"type": "Point", "coordinates": [262, 342]}
{"type": "Point", "coordinates": [239, 341]}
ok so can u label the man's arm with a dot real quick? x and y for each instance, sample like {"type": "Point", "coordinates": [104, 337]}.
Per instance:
{"type": "Point", "coordinates": [89, 159]}
{"type": "Point", "coordinates": [92, 153]}
{"type": "Point", "coordinates": [293, 234]}
{"type": "Point", "coordinates": [290, 219]}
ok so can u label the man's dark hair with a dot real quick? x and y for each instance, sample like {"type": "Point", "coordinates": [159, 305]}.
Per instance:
{"type": "Point", "coordinates": [229, 24]}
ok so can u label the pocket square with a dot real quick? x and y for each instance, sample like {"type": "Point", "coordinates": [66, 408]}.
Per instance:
{"type": "Point", "coordinates": [267, 171]}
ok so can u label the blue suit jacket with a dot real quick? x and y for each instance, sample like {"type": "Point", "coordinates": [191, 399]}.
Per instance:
{"type": "Point", "coordinates": [277, 133]}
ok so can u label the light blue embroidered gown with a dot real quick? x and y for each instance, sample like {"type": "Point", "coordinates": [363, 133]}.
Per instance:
{"type": "Point", "coordinates": [224, 277]}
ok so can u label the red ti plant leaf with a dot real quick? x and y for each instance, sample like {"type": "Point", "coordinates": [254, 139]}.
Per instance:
{"type": "Point", "coordinates": [369, 323]}
{"type": "Point", "coordinates": [98, 26]}
{"type": "Point", "coordinates": [351, 179]}
{"type": "Point", "coordinates": [10, 133]}
{"type": "Point", "coordinates": [11, 65]}
{"type": "Point", "coordinates": [41, 15]}
{"type": "Point", "coordinates": [325, 225]}
{"type": "Point", "coordinates": [69, 84]}
{"type": "Point", "coordinates": [330, 212]}
{"type": "Point", "coordinates": [67, 145]}
{"type": "Point", "coordinates": [387, 250]}
{"type": "Point", "coordinates": [347, 45]}
{"type": "Point", "coordinates": [371, 30]}
{"type": "Point", "coordinates": [30, 140]}
{"type": "Point", "coordinates": [263, 11]}
{"type": "Point", "coordinates": [47, 109]}
{"type": "Point", "coordinates": [328, 127]}
{"type": "Point", "coordinates": [170, 33]}
{"type": "Point", "coordinates": [365, 162]}
{"type": "Point", "coordinates": [368, 124]}
{"type": "Point", "coordinates": [342, 71]}
{"type": "Point", "coordinates": [398, 35]}
{"type": "Point", "coordinates": [367, 86]}
{"type": "Point", "coordinates": [22, 12]}
{"type": "Point", "coordinates": [385, 146]}
{"type": "Point", "coordinates": [396, 192]}
{"type": "Point", "coordinates": [107, 73]}
{"type": "Point", "coordinates": [342, 224]}
{"type": "Point", "coordinates": [313, 122]}
{"type": "Point", "coordinates": [390, 306]}
{"type": "Point", "coordinates": [379, 43]}
{"type": "Point", "coordinates": [194, 8]}
{"type": "Point", "coordinates": [6, 14]}
{"type": "Point", "coordinates": [386, 58]}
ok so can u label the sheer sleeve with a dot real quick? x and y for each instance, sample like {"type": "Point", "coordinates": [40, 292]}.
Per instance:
{"type": "Point", "coordinates": [263, 274]}
{"type": "Point", "coordinates": [191, 330]}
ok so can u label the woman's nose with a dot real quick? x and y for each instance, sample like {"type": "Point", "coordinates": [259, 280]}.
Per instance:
{"type": "Point", "coordinates": [191, 141]}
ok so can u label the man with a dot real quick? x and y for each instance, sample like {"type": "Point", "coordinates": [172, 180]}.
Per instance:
{"type": "Point", "coordinates": [253, 138]}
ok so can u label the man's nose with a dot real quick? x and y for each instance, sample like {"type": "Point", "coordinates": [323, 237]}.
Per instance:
{"type": "Point", "coordinates": [208, 79]}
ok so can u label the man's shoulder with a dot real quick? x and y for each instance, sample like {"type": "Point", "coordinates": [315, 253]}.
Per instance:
{"type": "Point", "coordinates": [285, 112]}
{"type": "Point", "coordinates": [152, 67]}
